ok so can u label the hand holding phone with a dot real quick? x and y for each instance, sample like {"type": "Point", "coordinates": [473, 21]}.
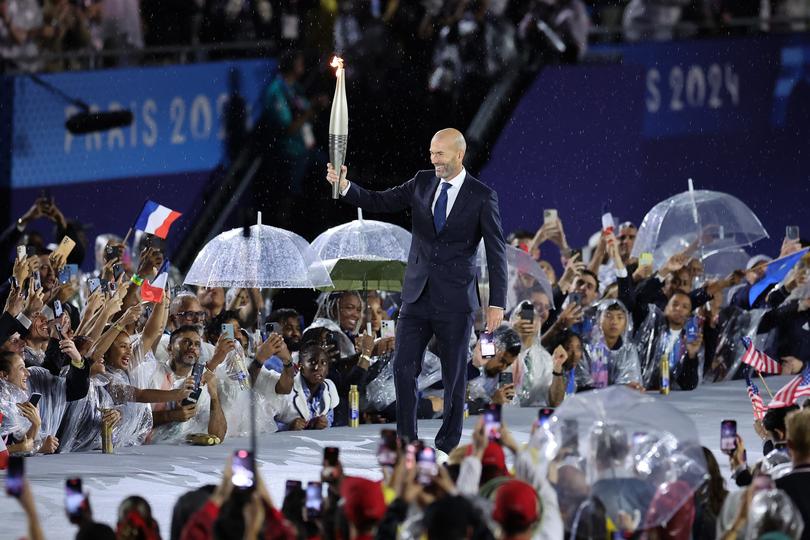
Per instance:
{"type": "Point", "coordinates": [645, 259]}
{"type": "Point", "coordinates": [504, 378]}
{"type": "Point", "coordinates": [227, 330]}
{"type": "Point", "coordinates": [387, 329]}
{"type": "Point", "coordinates": [314, 501]}
{"type": "Point", "coordinates": [492, 421]}
{"type": "Point", "coordinates": [331, 455]}
{"type": "Point", "coordinates": [243, 470]}
{"type": "Point", "coordinates": [15, 476]}
{"type": "Point", "coordinates": [196, 372]}
{"type": "Point", "coordinates": [487, 345]}
{"type": "Point", "coordinates": [75, 500]}
{"type": "Point", "coordinates": [728, 436]}
{"type": "Point", "coordinates": [426, 467]}
{"type": "Point", "coordinates": [527, 312]}
{"type": "Point", "coordinates": [387, 452]}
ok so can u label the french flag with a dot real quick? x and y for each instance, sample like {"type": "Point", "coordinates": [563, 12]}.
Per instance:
{"type": "Point", "coordinates": [153, 292]}
{"type": "Point", "coordinates": [156, 219]}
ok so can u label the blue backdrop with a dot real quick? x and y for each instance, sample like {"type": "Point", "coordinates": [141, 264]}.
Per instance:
{"type": "Point", "coordinates": [733, 114]}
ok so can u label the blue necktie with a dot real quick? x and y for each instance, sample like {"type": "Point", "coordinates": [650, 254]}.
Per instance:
{"type": "Point", "coordinates": [440, 210]}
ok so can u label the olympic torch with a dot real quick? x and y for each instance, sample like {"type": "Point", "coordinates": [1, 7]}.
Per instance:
{"type": "Point", "coordinates": [338, 125]}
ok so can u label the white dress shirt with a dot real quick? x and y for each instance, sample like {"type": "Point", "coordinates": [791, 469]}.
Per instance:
{"type": "Point", "coordinates": [452, 191]}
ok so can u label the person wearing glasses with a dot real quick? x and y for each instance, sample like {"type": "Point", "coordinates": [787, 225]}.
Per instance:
{"type": "Point", "coordinates": [311, 402]}
{"type": "Point", "coordinates": [185, 310]}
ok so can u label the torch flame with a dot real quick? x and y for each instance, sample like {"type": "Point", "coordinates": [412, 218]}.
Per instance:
{"type": "Point", "coordinates": [337, 62]}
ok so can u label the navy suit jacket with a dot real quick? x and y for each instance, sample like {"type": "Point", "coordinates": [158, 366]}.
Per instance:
{"type": "Point", "coordinates": [445, 262]}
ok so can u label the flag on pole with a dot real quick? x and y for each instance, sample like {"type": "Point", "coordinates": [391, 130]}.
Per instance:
{"type": "Point", "coordinates": [153, 292]}
{"type": "Point", "coordinates": [777, 271]}
{"type": "Point", "coordinates": [758, 359]}
{"type": "Point", "coordinates": [156, 219]}
{"type": "Point", "coordinates": [798, 386]}
{"type": "Point", "coordinates": [756, 399]}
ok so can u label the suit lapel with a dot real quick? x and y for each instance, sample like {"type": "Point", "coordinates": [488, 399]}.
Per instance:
{"type": "Point", "coordinates": [461, 200]}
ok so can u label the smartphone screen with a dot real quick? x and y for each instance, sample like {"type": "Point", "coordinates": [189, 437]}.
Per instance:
{"type": "Point", "coordinates": [388, 329]}
{"type": "Point", "coordinates": [37, 281]}
{"type": "Point", "coordinates": [387, 451]}
{"type": "Point", "coordinates": [728, 436]}
{"type": "Point", "coordinates": [411, 452]}
{"type": "Point", "coordinates": [227, 331]}
{"type": "Point", "coordinates": [21, 252]}
{"type": "Point", "coordinates": [34, 399]}
{"type": "Point", "coordinates": [645, 259]}
{"type": "Point", "coordinates": [74, 499]}
{"type": "Point", "coordinates": [544, 415]}
{"type": "Point", "coordinates": [14, 476]}
{"type": "Point", "coordinates": [314, 500]}
{"type": "Point", "coordinates": [492, 421]}
{"type": "Point", "coordinates": [243, 470]}
{"type": "Point", "coordinates": [549, 215]}
{"type": "Point", "coordinates": [504, 378]}
{"type": "Point", "coordinates": [487, 345]}
{"type": "Point", "coordinates": [426, 467]}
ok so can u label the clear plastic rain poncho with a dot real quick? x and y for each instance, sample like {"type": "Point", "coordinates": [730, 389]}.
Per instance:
{"type": "Point", "coordinates": [773, 511]}
{"type": "Point", "coordinates": [233, 385]}
{"type": "Point", "coordinates": [602, 366]}
{"type": "Point", "coordinates": [532, 371]}
{"type": "Point", "coordinates": [653, 341]}
{"type": "Point", "coordinates": [324, 320]}
{"type": "Point", "coordinates": [380, 391]}
{"type": "Point", "coordinates": [51, 406]}
{"type": "Point", "coordinates": [736, 323]}
{"type": "Point", "coordinates": [634, 463]}
{"type": "Point", "coordinates": [112, 389]}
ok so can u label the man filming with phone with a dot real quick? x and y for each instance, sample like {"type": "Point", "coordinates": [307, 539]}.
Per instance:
{"type": "Point", "coordinates": [204, 414]}
{"type": "Point", "coordinates": [451, 213]}
{"type": "Point", "coordinates": [495, 383]}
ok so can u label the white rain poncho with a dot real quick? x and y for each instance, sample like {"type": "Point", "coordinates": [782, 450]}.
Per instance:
{"type": "Point", "coordinates": [532, 371]}
{"type": "Point", "coordinates": [51, 406]}
{"type": "Point", "coordinates": [235, 394]}
{"type": "Point", "coordinates": [602, 366]}
{"type": "Point", "coordinates": [380, 390]}
{"type": "Point", "coordinates": [654, 340]}
{"type": "Point", "coordinates": [115, 388]}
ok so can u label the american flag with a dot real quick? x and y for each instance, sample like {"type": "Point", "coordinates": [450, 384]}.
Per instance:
{"type": "Point", "coordinates": [798, 386]}
{"type": "Point", "coordinates": [756, 399]}
{"type": "Point", "coordinates": [758, 359]}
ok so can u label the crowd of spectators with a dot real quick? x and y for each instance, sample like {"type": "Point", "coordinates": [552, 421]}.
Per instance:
{"type": "Point", "coordinates": [101, 358]}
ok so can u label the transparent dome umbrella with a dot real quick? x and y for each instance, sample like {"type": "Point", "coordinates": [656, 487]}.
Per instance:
{"type": "Point", "coordinates": [639, 455]}
{"type": "Point", "coordinates": [523, 274]}
{"type": "Point", "coordinates": [364, 255]}
{"type": "Point", "coordinates": [722, 263]}
{"type": "Point", "coordinates": [270, 258]}
{"type": "Point", "coordinates": [709, 221]}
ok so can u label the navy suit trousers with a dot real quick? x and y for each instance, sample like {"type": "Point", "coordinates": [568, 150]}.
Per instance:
{"type": "Point", "coordinates": [417, 323]}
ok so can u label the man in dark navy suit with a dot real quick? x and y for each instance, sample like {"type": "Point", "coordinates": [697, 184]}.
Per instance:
{"type": "Point", "coordinates": [452, 212]}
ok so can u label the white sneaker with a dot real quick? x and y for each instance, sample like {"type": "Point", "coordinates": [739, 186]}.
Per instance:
{"type": "Point", "coordinates": [441, 457]}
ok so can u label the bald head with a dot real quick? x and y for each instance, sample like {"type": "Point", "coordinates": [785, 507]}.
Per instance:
{"type": "Point", "coordinates": [447, 149]}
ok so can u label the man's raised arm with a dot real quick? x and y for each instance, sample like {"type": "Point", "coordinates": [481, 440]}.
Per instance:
{"type": "Point", "coordinates": [395, 199]}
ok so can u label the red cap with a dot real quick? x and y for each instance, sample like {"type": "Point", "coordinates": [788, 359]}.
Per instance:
{"type": "Point", "coordinates": [516, 505]}
{"type": "Point", "coordinates": [493, 457]}
{"type": "Point", "coordinates": [363, 500]}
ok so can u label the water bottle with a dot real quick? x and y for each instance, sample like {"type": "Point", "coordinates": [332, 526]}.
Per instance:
{"type": "Point", "coordinates": [665, 374]}
{"type": "Point", "coordinates": [354, 406]}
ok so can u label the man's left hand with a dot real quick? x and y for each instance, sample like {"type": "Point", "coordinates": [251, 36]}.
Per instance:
{"type": "Point", "coordinates": [494, 318]}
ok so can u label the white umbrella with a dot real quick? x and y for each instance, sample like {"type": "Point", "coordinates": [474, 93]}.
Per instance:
{"type": "Point", "coordinates": [364, 254]}
{"type": "Point", "coordinates": [717, 221]}
{"type": "Point", "coordinates": [270, 258]}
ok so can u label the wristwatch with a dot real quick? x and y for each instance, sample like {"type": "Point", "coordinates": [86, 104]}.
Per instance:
{"type": "Point", "coordinates": [557, 373]}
